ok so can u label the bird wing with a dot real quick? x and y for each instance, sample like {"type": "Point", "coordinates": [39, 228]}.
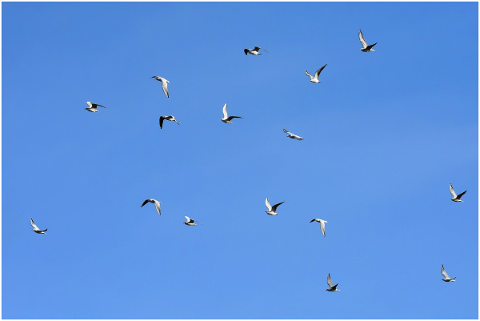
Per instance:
{"type": "Point", "coordinates": [256, 48]}
{"type": "Point", "coordinates": [225, 115]}
{"type": "Point", "coordinates": [145, 202]}
{"type": "Point", "coordinates": [188, 219]}
{"type": "Point", "coordinates": [444, 273]}
{"type": "Point", "coordinates": [33, 224]}
{"type": "Point", "coordinates": [89, 103]}
{"type": "Point", "coordinates": [274, 207]}
{"type": "Point", "coordinates": [268, 204]}
{"type": "Point", "coordinates": [459, 196]}
{"type": "Point", "coordinates": [164, 87]}
{"type": "Point", "coordinates": [306, 72]}
{"type": "Point", "coordinates": [322, 227]}
{"type": "Point", "coordinates": [329, 280]}
{"type": "Point", "coordinates": [371, 46]}
{"type": "Point", "coordinates": [157, 207]}
{"type": "Point", "coordinates": [313, 220]}
{"type": "Point", "coordinates": [452, 191]}
{"type": "Point", "coordinates": [317, 73]}
{"type": "Point", "coordinates": [262, 49]}
{"type": "Point", "coordinates": [232, 117]}
{"type": "Point", "coordinates": [160, 120]}
{"type": "Point", "coordinates": [362, 40]}
{"type": "Point", "coordinates": [286, 131]}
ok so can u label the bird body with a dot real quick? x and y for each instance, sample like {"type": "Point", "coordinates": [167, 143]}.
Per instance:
{"type": "Point", "coordinates": [227, 119]}
{"type": "Point", "coordinates": [154, 201]}
{"type": "Point", "coordinates": [36, 229]}
{"type": "Point", "coordinates": [93, 107]}
{"type": "Point", "coordinates": [314, 79]}
{"type": "Point", "coordinates": [292, 135]}
{"type": "Point", "coordinates": [332, 288]}
{"type": "Point", "coordinates": [164, 84]}
{"type": "Point", "coordinates": [272, 210]}
{"type": "Point", "coordinates": [254, 51]}
{"type": "Point", "coordinates": [189, 221]}
{"type": "Point", "coordinates": [456, 198]}
{"type": "Point", "coordinates": [446, 277]}
{"type": "Point", "coordinates": [322, 224]}
{"type": "Point", "coordinates": [366, 47]}
{"type": "Point", "coordinates": [169, 118]}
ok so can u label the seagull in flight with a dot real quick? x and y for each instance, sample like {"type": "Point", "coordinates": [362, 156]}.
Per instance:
{"type": "Point", "coordinates": [366, 48]}
{"type": "Point", "coordinates": [227, 119]}
{"type": "Point", "coordinates": [253, 51]}
{"type": "Point", "coordinates": [157, 204]}
{"type": "Point", "coordinates": [456, 198]}
{"type": "Point", "coordinates": [292, 135]}
{"type": "Point", "coordinates": [164, 84]}
{"type": "Point", "coordinates": [314, 79]}
{"type": "Point", "coordinates": [272, 210]}
{"type": "Point", "coordinates": [322, 224]}
{"type": "Point", "coordinates": [333, 288]}
{"type": "Point", "coordinates": [93, 107]}
{"type": "Point", "coordinates": [36, 229]}
{"type": "Point", "coordinates": [190, 222]}
{"type": "Point", "coordinates": [447, 278]}
{"type": "Point", "coordinates": [170, 118]}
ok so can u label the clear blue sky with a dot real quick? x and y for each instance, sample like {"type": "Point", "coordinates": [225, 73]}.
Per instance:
{"type": "Point", "coordinates": [385, 133]}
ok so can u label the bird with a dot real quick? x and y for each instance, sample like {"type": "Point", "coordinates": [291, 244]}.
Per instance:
{"type": "Point", "coordinates": [322, 224]}
{"type": "Point", "coordinates": [190, 222]}
{"type": "Point", "coordinates": [333, 288]}
{"type": "Point", "coordinates": [456, 198]}
{"type": "Point", "coordinates": [272, 210]}
{"type": "Point", "coordinates": [253, 51]}
{"type": "Point", "coordinates": [93, 107]}
{"type": "Point", "coordinates": [157, 204]}
{"type": "Point", "coordinates": [36, 229]}
{"type": "Point", "coordinates": [447, 278]}
{"type": "Point", "coordinates": [314, 79]}
{"type": "Point", "coordinates": [292, 135]}
{"type": "Point", "coordinates": [169, 118]}
{"type": "Point", "coordinates": [164, 84]}
{"type": "Point", "coordinates": [366, 48]}
{"type": "Point", "coordinates": [227, 119]}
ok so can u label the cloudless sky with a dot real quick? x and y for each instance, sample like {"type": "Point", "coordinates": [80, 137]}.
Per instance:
{"type": "Point", "coordinates": [385, 133]}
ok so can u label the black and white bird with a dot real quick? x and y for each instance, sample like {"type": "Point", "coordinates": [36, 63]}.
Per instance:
{"type": "Point", "coordinates": [272, 210]}
{"type": "Point", "coordinates": [446, 277]}
{"type": "Point", "coordinates": [227, 119]}
{"type": "Point", "coordinates": [314, 79]}
{"type": "Point", "coordinates": [36, 229]}
{"type": "Point", "coordinates": [292, 135]}
{"type": "Point", "coordinates": [333, 288]}
{"type": "Point", "coordinates": [169, 118]}
{"type": "Point", "coordinates": [190, 222]}
{"type": "Point", "coordinates": [456, 198]}
{"type": "Point", "coordinates": [164, 84]}
{"type": "Point", "coordinates": [93, 107]}
{"type": "Point", "coordinates": [366, 48]}
{"type": "Point", "coordinates": [322, 224]}
{"type": "Point", "coordinates": [157, 204]}
{"type": "Point", "coordinates": [254, 51]}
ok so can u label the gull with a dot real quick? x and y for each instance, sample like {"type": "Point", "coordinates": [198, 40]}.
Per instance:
{"type": "Point", "coordinates": [190, 222]}
{"type": "Point", "coordinates": [456, 198]}
{"type": "Point", "coordinates": [333, 288]}
{"type": "Point", "coordinates": [447, 278]}
{"type": "Point", "coordinates": [93, 107]}
{"type": "Point", "coordinates": [157, 204]}
{"type": "Point", "coordinates": [322, 224]}
{"type": "Point", "coordinates": [36, 229]}
{"type": "Point", "coordinates": [227, 119]}
{"type": "Point", "coordinates": [314, 79]}
{"type": "Point", "coordinates": [272, 209]}
{"type": "Point", "coordinates": [253, 51]}
{"type": "Point", "coordinates": [366, 48]}
{"type": "Point", "coordinates": [170, 118]}
{"type": "Point", "coordinates": [164, 84]}
{"type": "Point", "coordinates": [292, 135]}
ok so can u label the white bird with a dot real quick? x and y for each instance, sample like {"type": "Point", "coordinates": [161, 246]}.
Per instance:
{"type": "Point", "coordinates": [447, 278]}
{"type": "Point", "coordinates": [93, 107]}
{"type": "Point", "coordinates": [254, 51]}
{"type": "Point", "coordinates": [272, 210]}
{"type": "Point", "coordinates": [157, 204]}
{"type": "Point", "coordinates": [169, 118]}
{"type": "Point", "coordinates": [190, 222]}
{"type": "Point", "coordinates": [227, 119]}
{"type": "Point", "coordinates": [36, 229]}
{"type": "Point", "coordinates": [456, 198]}
{"type": "Point", "coordinates": [366, 48]}
{"type": "Point", "coordinates": [314, 79]}
{"type": "Point", "coordinates": [322, 224]}
{"type": "Point", "coordinates": [333, 288]}
{"type": "Point", "coordinates": [292, 135]}
{"type": "Point", "coordinates": [164, 84]}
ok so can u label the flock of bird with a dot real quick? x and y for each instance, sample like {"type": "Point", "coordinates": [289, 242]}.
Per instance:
{"type": "Point", "coordinates": [271, 210]}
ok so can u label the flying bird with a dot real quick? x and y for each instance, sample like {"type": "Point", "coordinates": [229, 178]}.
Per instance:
{"type": "Point", "coordinates": [164, 84]}
{"type": "Point", "coordinates": [314, 79]}
{"type": "Point", "coordinates": [190, 222]}
{"type": "Point", "coordinates": [292, 135]}
{"type": "Point", "coordinates": [93, 107]}
{"type": "Point", "coordinates": [253, 51]}
{"type": "Point", "coordinates": [227, 119]}
{"type": "Point", "coordinates": [272, 210]}
{"type": "Point", "coordinates": [157, 204]}
{"type": "Point", "coordinates": [366, 48]}
{"type": "Point", "coordinates": [36, 229]}
{"type": "Point", "coordinates": [456, 198]}
{"type": "Point", "coordinates": [322, 224]}
{"type": "Point", "coordinates": [333, 288]}
{"type": "Point", "coordinates": [169, 118]}
{"type": "Point", "coordinates": [447, 278]}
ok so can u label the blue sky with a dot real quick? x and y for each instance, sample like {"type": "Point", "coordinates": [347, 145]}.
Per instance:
{"type": "Point", "coordinates": [385, 133]}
